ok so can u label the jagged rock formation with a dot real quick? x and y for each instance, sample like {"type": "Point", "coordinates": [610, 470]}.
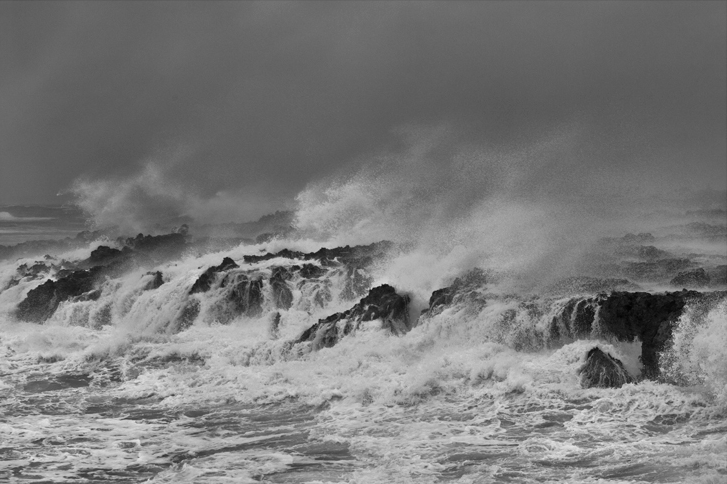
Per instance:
{"type": "Point", "coordinates": [382, 302]}
{"type": "Point", "coordinates": [157, 247]}
{"type": "Point", "coordinates": [619, 315]}
{"type": "Point", "coordinates": [204, 281]}
{"type": "Point", "coordinates": [352, 262]}
{"type": "Point", "coordinates": [330, 257]}
{"type": "Point", "coordinates": [156, 282]}
{"type": "Point", "coordinates": [41, 302]}
{"type": "Point", "coordinates": [649, 317]}
{"type": "Point", "coordinates": [467, 288]}
{"type": "Point", "coordinates": [574, 321]}
{"type": "Point", "coordinates": [601, 370]}
{"type": "Point", "coordinates": [246, 294]}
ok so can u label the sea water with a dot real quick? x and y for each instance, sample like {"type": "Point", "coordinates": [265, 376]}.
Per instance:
{"type": "Point", "coordinates": [106, 390]}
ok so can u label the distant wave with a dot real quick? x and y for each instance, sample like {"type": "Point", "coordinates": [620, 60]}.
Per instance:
{"type": "Point", "coordinates": [9, 217]}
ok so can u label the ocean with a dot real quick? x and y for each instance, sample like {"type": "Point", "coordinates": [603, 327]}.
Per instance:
{"type": "Point", "coordinates": [181, 358]}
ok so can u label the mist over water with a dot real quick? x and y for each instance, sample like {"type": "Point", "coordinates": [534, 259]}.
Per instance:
{"type": "Point", "coordinates": [360, 242]}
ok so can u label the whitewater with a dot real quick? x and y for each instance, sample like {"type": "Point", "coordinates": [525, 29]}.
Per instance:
{"type": "Point", "coordinates": [188, 358]}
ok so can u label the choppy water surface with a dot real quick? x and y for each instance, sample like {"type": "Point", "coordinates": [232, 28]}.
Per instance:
{"type": "Point", "coordinates": [403, 412]}
{"type": "Point", "coordinates": [111, 389]}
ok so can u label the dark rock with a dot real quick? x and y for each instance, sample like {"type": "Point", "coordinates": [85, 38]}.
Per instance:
{"type": "Point", "coordinates": [329, 257]}
{"type": "Point", "coordinates": [311, 271]}
{"type": "Point", "coordinates": [282, 295]}
{"type": "Point", "coordinates": [695, 278]}
{"type": "Point", "coordinates": [382, 302]}
{"type": "Point", "coordinates": [104, 255]}
{"type": "Point", "coordinates": [466, 289]}
{"type": "Point", "coordinates": [41, 302]}
{"type": "Point", "coordinates": [185, 317]}
{"type": "Point", "coordinates": [155, 282]}
{"type": "Point", "coordinates": [601, 370]}
{"type": "Point", "coordinates": [204, 281]}
{"type": "Point", "coordinates": [440, 297]}
{"type": "Point", "coordinates": [275, 325]}
{"type": "Point", "coordinates": [574, 321]}
{"type": "Point", "coordinates": [649, 317]}
{"type": "Point", "coordinates": [246, 295]}
{"type": "Point", "coordinates": [158, 247]}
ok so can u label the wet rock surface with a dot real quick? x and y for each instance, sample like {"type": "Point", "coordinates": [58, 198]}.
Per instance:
{"type": "Point", "coordinates": [155, 282]}
{"type": "Point", "coordinates": [601, 370]}
{"type": "Point", "coordinates": [204, 281]}
{"type": "Point", "coordinates": [648, 317]}
{"type": "Point", "coordinates": [382, 302]}
{"type": "Point", "coordinates": [246, 295]}
{"type": "Point", "coordinates": [41, 302]}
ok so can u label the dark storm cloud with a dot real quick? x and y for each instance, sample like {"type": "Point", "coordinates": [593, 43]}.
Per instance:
{"type": "Point", "coordinates": [274, 95]}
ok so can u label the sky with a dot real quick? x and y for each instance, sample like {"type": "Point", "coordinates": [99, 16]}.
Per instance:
{"type": "Point", "coordinates": [243, 105]}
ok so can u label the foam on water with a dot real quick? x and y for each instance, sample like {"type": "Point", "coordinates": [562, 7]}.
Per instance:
{"type": "Point", "coordinates": [115, 390]}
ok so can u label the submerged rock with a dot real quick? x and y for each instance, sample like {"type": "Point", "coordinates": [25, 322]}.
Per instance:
{"type": "Point", "coordinates": [601, 370]}
{"type": "Point", "coordinates": [382, 302]}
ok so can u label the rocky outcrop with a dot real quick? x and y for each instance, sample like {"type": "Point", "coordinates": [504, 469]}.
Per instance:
{"type": "Point", "coordinates": [382, 303]}
{"type": "Point", "coordinates": [574, 321]}
{"type": "Point", "coordinates": [204, 281]}
{"type": "Point", "coordinates": [648, 317]}
{"type": "Point", "coordinates": [695, 278]}
{"type": "Point", "coordinates": [41, 302]}
{"type": "Point", "coordinates": [246, 295]}
{"type": "Point", "coordinates": [601, 370]}
{"type": "Point", "coordinates": [155, 282]}
{"type": "Point", "coordinates": [350, 262]}
{"type": "Point", "coordinates": [157, 247]}
{"type": "Point", "coordinates": [357, 255]}
{"type": "Point", "coordinates": [467, 288]}
{"type": "Point", "coordinates": [282, 295]}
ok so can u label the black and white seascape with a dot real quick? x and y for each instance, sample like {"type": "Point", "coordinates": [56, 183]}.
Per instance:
{"type": "Point", "coordinates": [363, 242]}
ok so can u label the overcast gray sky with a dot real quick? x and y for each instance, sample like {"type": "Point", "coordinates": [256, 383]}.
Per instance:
{"type": "Point", "coordinates": [267, 97]}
